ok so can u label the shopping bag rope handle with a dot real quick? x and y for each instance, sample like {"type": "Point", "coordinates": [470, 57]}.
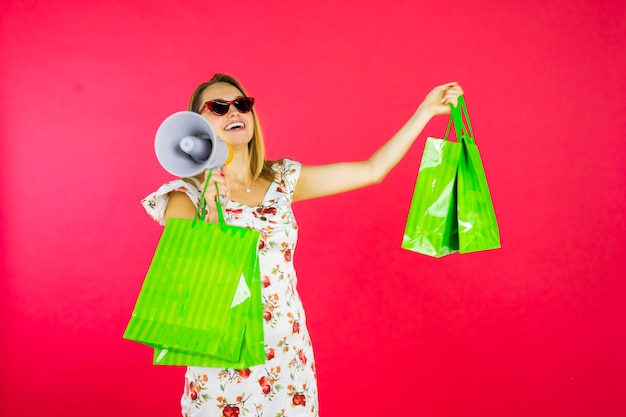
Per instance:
{"type": "Point", "coordinates": [456, 116]}
{"type": "Point", "coordinates": [201, 208]}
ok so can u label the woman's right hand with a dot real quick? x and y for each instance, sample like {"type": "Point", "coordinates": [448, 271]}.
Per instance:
{"type": "Point", "coordinates": [222, 180]}
{"type": "Point", "coordinates": [438, 101]}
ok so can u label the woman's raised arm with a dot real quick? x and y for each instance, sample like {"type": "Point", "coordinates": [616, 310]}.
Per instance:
{"type": "Point", "coordinates": [323, 180]}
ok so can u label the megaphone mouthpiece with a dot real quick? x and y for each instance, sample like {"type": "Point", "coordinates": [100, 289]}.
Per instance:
{"type": "Point", "coordinates": [199, 149]}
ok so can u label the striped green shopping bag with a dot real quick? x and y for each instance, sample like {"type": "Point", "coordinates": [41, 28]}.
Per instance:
{"type": "Point", "coordinates": [252, 350]}
{"type": "Point", "coordinates": [201, 295]}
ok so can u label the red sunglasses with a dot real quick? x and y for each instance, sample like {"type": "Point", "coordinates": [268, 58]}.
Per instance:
{"type": "Point", "coordinates": [221, 107]}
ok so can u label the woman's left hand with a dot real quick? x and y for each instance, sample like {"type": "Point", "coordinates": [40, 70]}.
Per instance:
{"type": "Point", "coordinates": [438, 101]}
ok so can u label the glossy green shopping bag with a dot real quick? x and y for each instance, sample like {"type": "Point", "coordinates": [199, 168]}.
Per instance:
{"type": "Point", "coordinates": [431, 226]}
{"type": "Point", "coordinates": [478, 227]}
{"type": "Point", "coordinates": [196, 296]}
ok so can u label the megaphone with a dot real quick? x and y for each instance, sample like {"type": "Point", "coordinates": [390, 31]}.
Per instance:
{"type": "Point", "coordinates": [186, 145]}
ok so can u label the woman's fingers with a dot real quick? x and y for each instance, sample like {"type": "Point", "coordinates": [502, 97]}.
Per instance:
{"type": "Point", "coordinates": [440, 98]}
{"type": "Point", "coordinates": [451, 95]}
{"type": "Point", "coordinates": [226, 177]}
{"type": "Point", "coordinates": [216, 177]}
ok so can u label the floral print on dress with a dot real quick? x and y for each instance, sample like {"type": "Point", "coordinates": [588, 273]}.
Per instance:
{"type": "Point", "coordinates": [286, 385]}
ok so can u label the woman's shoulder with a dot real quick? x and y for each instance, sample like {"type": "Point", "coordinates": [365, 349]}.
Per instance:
{"type": "Point", "coordinates": [285, 166]}
{"type": "Point", "coordinates": [156, 202]}
{"type": "Point", "coordinates": [286, 173]}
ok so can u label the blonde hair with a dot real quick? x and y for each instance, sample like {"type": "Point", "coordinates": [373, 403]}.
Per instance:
{"type": "Point", "coordinates": [259, 166]}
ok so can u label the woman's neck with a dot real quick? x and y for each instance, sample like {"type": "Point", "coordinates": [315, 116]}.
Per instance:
{"type": "Point", "coordinates": [239, 166]}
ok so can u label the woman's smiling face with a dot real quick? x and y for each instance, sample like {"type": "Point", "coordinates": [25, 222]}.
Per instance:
{"type": "Point", "coordinates": [234, 127]}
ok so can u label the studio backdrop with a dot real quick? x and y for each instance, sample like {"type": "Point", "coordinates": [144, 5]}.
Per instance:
{"type": "Point", "coordinates": [532, 329]}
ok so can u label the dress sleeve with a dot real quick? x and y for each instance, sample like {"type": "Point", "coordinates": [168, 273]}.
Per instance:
{"type": "Point", "coordinates": [288, 173]}
{"type": "Point", "coordinates": [156, 202]}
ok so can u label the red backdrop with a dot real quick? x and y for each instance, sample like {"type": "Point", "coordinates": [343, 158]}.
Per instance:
{"type": "Point", "coordinates": [533, 329]}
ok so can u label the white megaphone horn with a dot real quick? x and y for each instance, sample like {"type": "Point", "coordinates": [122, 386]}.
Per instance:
{"type": "Point", "coordinates": [186, 145]}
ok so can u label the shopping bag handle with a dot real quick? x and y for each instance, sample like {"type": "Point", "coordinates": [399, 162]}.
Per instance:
{"type": "Point", "coordinates": [463, 132]}
{"type": "Point", "coordinates": [201, 208]}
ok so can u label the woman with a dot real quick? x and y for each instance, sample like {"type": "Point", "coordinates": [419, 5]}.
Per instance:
{"type": "Point", "coordinates": [259, 194]}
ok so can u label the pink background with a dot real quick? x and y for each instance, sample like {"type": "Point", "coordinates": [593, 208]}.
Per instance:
{"type": "Point", "coordinates": [533, 329]}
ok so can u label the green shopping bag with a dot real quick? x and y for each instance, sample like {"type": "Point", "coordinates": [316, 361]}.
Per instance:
{"type": "Point", "coordinates": [253, 348]}
{"type": "Point", "coordinates": [478, 227]}
{"type": "Point", "coordinates": [431, 226]}
{"type": "Point", "coordinates": [196, 296]}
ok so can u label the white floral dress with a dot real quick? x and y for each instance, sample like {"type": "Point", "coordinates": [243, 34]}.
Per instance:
{"type": "Point", "coordinates": [286, 385]}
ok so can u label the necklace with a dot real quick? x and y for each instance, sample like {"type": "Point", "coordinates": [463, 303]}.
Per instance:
{"type": "Point", "coordinates": [247, 189]}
